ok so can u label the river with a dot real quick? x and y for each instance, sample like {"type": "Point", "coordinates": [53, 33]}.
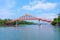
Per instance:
{"type": "Point", "coordinates": [30, 32]}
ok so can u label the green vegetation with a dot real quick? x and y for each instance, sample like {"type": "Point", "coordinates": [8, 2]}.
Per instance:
{"type": "Point", "coordinates": [23, 22]}
{"type": "Point", "coordinates": [6, 22]}
{"type": "Point", "coordinates": [56, 21]}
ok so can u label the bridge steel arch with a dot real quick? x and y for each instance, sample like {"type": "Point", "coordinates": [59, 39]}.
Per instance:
{"type": "Point", "coordinates": [29, 17]}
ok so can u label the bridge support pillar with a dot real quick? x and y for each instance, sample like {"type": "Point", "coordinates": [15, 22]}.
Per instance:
{"type": "Point", "coordinates": [39, 23]}
{"type": "Point", "coordinates": [16, 24]}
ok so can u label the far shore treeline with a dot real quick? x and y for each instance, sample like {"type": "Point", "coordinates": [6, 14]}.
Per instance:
{"type": "Point", "coordinates": [6, 22]}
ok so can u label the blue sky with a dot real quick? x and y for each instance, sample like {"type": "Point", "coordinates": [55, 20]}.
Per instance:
{"type": "Point", "coordinates": [46, 9]}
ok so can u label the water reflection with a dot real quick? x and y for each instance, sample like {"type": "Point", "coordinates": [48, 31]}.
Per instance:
{"type": "Point", "coordinates": [30, 32]}
{"type": "Point", "coordinates": [57, 33]}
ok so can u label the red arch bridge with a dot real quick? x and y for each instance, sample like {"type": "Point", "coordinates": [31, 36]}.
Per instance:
{"type": "Point", "coordinates": [28, 17]}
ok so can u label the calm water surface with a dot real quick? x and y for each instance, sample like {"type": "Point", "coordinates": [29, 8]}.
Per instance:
{"type": "Point", "coordinates": [30, 32]}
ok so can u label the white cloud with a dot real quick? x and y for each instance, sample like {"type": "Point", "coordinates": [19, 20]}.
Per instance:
{"type": "Point", "coordinates": [39, 5]}
{"type": "Point", "coordinates": [6, 11]}
{"type": "Point", "coordinates": [48, 16]}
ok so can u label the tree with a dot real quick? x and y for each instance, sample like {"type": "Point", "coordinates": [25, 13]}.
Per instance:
{"type": "Point", "coordinates": [59, 14]}
{"type": "Point", "coordinates": [56, 20]}
{"type": "Point", "coordinates": [59, 18]}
